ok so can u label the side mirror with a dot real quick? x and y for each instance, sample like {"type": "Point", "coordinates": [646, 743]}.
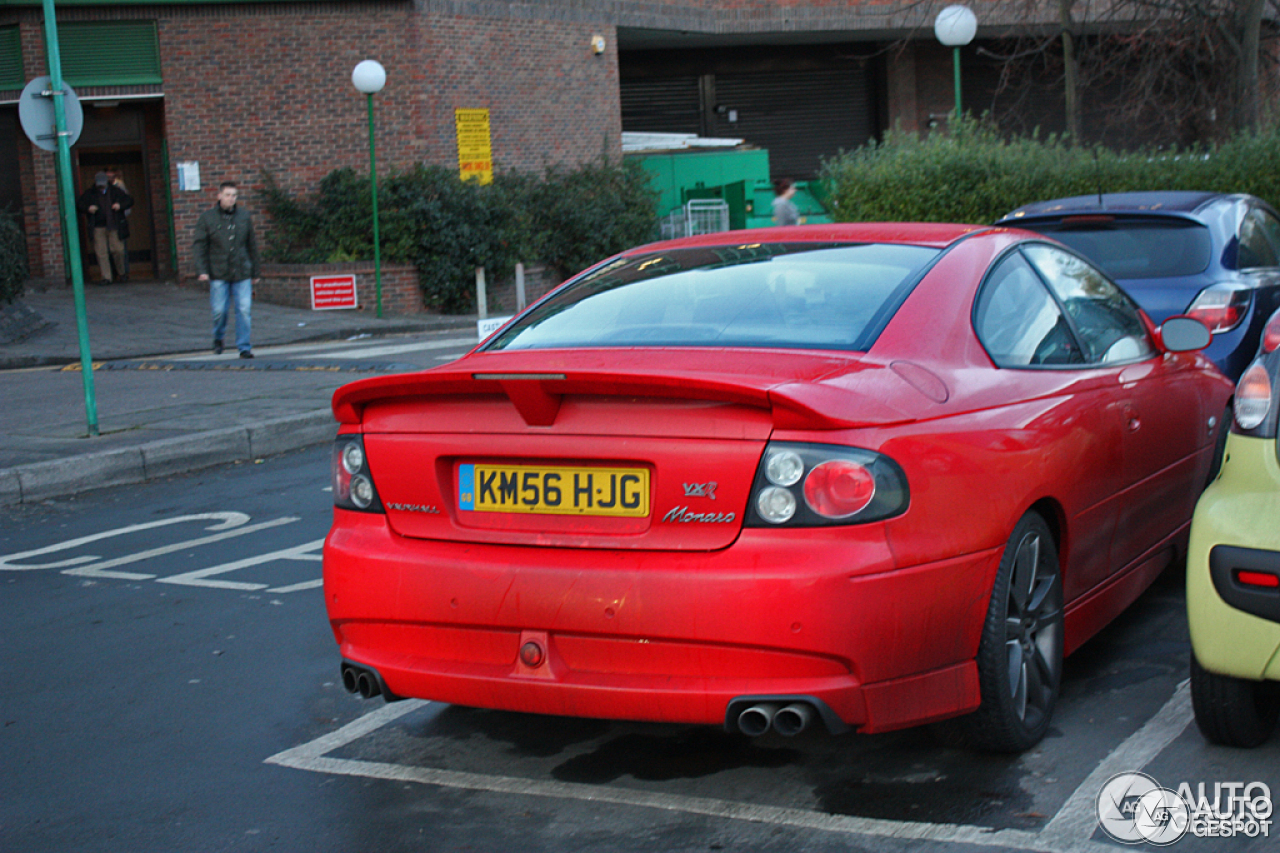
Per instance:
{"type": "Point", "coordinates": [1184, 334]}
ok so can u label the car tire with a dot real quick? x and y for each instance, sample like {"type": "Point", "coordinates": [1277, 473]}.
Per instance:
{"type": "Point", "coordinates": [1020, 653]}
{"type": "Point", "coordinates": [1233, 711]}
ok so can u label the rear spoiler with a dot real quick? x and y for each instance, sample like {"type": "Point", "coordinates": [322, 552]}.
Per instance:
{"type": "Point", "coordinates": [537, 395]}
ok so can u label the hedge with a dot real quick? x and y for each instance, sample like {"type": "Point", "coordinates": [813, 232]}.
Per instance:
{"type": "Point", "coordinates": [975, 175]}
{"type": "Point", "coordinates": [13, 258]}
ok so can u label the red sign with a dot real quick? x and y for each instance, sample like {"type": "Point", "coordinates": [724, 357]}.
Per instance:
{"type": "Point", "coordinates": [333, 291]}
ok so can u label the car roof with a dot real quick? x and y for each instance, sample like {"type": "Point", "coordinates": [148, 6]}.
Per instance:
{"type": "Point", "coordinates": [931, 234]}
{"type": "Point", "coordinates": [1150, 202]}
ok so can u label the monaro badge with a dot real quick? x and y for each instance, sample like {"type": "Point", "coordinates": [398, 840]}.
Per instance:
{"type": "Point", "coordinates": [684, 515]}
{"type": "Point", "coordinates": [700, 490]}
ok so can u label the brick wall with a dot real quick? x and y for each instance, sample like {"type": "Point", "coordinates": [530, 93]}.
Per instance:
{"type": "Point", "coordinates": [290, 284]}
{"type": "Point", "coordinates": [281, 99]}
{"type": "Point", "coordinates": [267, 87]}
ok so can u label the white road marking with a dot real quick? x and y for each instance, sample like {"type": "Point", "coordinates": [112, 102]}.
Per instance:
{"type": "Point", "coordinates": [340, 349]}
{"type": "Point", "coordinates": [200, 576]}
{"type": "Point", "coordinates": [1070, 831]}
{"type": "Point", "coordinates": [7, 562]}
{"type": "Point", "coordinates": [227, 524]}
{"type": "Point", "coordinates": [98, 570]}
{"type": "Point", "coordinates": [377, 352]}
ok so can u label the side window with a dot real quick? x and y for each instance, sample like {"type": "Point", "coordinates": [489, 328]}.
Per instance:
{"type": "Point", "coordinates": [1018, 321]}
{"type": "Point", "coordinates": [1259, 237]}
{"type": "Point", "coordinates": [1105, 318]}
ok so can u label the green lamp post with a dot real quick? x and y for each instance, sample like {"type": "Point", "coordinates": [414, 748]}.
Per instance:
{"type": "Point", "coordinates": [955, 27]}
{"type": "Point", "coordinates": [369, 77]}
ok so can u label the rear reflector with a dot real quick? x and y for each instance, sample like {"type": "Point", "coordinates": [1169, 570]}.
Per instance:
{"type": "Point", "coordinates": [1258, 579]}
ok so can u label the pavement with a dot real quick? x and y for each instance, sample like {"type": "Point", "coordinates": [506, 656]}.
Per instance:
{"type": "Point", "coordinates": [158, 411]}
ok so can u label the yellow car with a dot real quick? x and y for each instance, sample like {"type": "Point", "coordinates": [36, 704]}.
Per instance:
{"type": "Point", "coordinates": [1233, 568]}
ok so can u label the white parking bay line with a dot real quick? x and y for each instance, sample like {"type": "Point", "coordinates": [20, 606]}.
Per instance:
{"type": "Point", "coordinates": [299, 587]}
{"type": "Point", "coordinates": [1078, 817]}
{"type": "Point", "coordinates": [1068, 836]}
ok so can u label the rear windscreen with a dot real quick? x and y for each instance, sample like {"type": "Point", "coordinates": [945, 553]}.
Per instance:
{"type": "Point", "coordinates": [805, 295]}
{"type": "Point", "coordinates": [1136, 248]}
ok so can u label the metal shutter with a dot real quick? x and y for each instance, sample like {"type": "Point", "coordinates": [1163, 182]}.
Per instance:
{"type": "Point", "coordinates": [661, 105]}
{"type": "Point", "coordinates": [110, 53]}
{"type": "Point", "coordinates": [11, 76]}
{"type": "Point", "coordinates": [801, 117]}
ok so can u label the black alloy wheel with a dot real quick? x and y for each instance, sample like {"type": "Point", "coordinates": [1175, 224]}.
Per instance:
{"type": "Point", "coordinates": [1020, 653]}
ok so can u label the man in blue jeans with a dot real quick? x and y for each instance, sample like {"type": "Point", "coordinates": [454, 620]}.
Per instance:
{"type": "Point", "coordinates": [226, 256]}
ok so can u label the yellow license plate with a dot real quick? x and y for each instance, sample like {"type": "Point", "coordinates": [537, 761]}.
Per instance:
{"type": "Point", "coordinates": [554, 489]}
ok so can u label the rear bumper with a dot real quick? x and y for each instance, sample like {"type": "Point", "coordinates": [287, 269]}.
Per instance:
{"type": "Point", "coordinates": [1234, 631]}
{"type": "Point", "coordinates": [662, 636]}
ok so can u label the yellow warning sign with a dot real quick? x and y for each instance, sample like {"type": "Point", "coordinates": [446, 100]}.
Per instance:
{"type": "Point", "coordinates": [475, 153]}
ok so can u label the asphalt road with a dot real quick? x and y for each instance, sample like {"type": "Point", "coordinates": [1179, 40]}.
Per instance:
{"type": "Point", "coordinates": [169, 682]}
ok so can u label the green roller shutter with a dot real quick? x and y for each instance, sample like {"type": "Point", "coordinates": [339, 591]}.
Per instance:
{"type": "Point", "coordinates": [11, 76]}
{"type": "Point", "coordinates": [110, 53]}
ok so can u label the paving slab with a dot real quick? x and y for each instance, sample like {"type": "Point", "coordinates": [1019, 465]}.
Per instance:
{"type": "Point", "coordinates": [157, 415]}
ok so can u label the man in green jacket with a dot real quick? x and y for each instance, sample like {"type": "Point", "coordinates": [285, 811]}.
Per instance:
{"type": "Point", "coordinates": [227, 257]}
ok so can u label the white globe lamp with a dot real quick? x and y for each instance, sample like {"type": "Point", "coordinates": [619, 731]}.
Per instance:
{"type": "Point", "coordinates": [955, 27]}
{"type": "Point", "coordinates": [369, 76]}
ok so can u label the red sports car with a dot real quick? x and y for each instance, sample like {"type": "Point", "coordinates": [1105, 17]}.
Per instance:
{"type": "Point", "coordinates": [870, 475]}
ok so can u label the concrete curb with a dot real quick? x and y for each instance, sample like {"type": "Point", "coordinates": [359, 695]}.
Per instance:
{"type": "Point", "coordinates": [396, 327]}
{"type": "Point", "coordinates": [63, 477]}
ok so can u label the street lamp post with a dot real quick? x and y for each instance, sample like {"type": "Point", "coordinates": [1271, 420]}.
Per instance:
{"type": "Point", "coordinates": [369, 77]}
{"type": "Point", "coordinates": [955, 27]}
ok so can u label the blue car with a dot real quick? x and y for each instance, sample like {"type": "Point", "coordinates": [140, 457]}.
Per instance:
{"type": "Point", "coordinates": [1213, 256]}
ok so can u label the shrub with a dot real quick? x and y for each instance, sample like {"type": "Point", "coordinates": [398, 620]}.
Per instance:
{"type": "Point", "coordinates": [447, 227]}
{"type": "Point", "coordinates": [294, 226]}
{"type": "Point", "coordinates": [584, 215]}
{"type": "Point", "coordinates": [13, 258]}
{"type": "Point", "coordinates": [428, 216]}
{"type": "Point", "coordinates": [974, 175]}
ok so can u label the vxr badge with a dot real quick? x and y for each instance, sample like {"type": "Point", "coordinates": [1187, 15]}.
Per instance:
{"type": "Point", "coordinates": [700, 490]}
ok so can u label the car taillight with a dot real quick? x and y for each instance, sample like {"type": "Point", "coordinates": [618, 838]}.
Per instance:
{"type": "Point", "coordinates": [1271, 334]}
{"type": "Point", "coordinates": [839, 488]}
{"type": "Point", "coordinates": [809, 485]}
{"type": "Point", "coordinates": [1221, 307]}
{"type": "Point", "coordinates": [352, 482]}
{"type": "Point", "coordinates": [1253, 396]}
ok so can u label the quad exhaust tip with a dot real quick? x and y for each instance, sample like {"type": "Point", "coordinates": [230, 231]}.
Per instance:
{"type": "Point", "coordinates": [366, 682]}
{"type": "Point", "coordinates": [754, 716]}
